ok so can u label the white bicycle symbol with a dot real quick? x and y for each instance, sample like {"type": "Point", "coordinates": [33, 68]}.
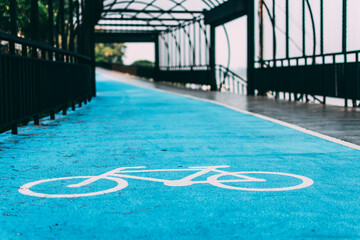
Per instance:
{"type": "Point", "coordinates": [118, 174]}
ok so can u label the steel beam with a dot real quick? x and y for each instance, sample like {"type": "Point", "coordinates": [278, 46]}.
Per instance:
{"type": "Point", "coordinates": [135, 25]}
{"type": "Point", "coordinates": [146, 36]}
{"type": "Point", "coordinates": [152, 11]}
{"type": "Point", "coordinates": [226, 12]}
{"type": "Point", "coordinates": [145, 19]}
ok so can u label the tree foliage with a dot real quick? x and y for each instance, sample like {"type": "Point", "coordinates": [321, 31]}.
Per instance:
{"type": "Point", "coordinates": [110, 52]}
{"type": "Point", "coordinates": [23, 18]}
{"type": "Point", "coordinates": [144, 63]}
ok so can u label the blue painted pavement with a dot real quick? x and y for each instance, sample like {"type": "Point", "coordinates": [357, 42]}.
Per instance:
{"type": "Point", "coordinates": [129, 126]}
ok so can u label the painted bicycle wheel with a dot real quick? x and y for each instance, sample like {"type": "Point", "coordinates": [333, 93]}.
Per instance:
{"type": "Point", "coordinates": [62, 185]}
{"type": "Point", "coordinates": [264, 185]}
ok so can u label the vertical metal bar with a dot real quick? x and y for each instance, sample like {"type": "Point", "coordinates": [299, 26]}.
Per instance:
{"type": "Point", "coordinates": [57, 32]}
{"type": "Point", "coordinates": [51, 22]}
{"type": "Point", "coordinates": [71, 19]}
{"type": "Point", "coordinates": [157, 58]}
{"type": "Point", "coordinates": [200, 44]}
{"type": "Point", "coordinates": [62, 23]}
{"type": "Point", "coordinates": [261, 33]}
{"type": "Point", "coordinates": [194, 44]}
{"type": "Point", "coordinates": [344, 26]}
{"type": "Point", "coordinates": [13, 23]}
{"type": "Point", "coordinates": [13, 17]}
{"type": "Point", "coordinates": [251, 48]}
{"type": "Point", "coordinates": [34, 24]}
{"type": "Point", "coordinates": [344, 48]}
{"type": "Point", "coordinates": [78, 23]}
{"type": "Point", "coordinates": [322, 47]}
{"type": "Point", "coordinates": [322, 27]}
{"type": "Point", "coordinates": [207, 51]}
{"type": "Point", "coordinates": [35, 20]}
{"type": "Point", "coordinates": [171, 51]}
{"type": "Point", "coordinates": [274, 32]}
{"type": "Point", "coordinates": [356, 82]}
{"type": "Point", "coordinates": [92, 46]}
{"type": "Point", "coordinates": [287, 28]}
{"type": "Point", "coordinates": [178, 46]}
{"type": "Point", "coordinates": [303, 29]}
{"type": "Point", "coordinates": [212, 59]}
{"type": "Point", "coordinates": [184, 45]}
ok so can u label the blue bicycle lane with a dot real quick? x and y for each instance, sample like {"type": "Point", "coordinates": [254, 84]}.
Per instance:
{"type": "Point", "coordinates": [130, 126]}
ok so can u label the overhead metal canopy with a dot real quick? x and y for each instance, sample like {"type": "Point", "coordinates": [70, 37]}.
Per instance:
{"type": "Point", "coordinates": [126, 36]}
{"type": "Point", "coordinates": [151, 15]}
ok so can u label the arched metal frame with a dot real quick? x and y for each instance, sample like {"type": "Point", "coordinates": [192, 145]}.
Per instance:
{"type": "Point", "coordinates": [184, 39]}
{"type": "Point", "coordinates": [189, 54]}
{"type": "Point", "coordinates": [185, 43]}
{"type": "Point", "coordinates": [154, 14]}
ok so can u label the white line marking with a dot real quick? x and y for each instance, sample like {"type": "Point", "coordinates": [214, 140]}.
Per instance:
{"type": "Point", "coordinates": [289, 125]}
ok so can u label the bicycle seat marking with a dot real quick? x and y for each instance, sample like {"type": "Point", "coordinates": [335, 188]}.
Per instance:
{"type": "Point", "coordinates": [218, 178]}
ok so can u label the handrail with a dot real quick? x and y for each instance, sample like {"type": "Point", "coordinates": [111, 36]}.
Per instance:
{"type": "Point", "coordinates": [41, 83]}
{"type": "Point", "coordinates": [35, 44]}
{"type": "Point", "coordinates": [231, 72]}
{"type": "Point", "coordinates": [309, 56]}
{"type": "Point", "coordinates": [229, 81]}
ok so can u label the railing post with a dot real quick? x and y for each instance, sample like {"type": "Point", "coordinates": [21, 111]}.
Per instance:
{"type": "Point", "coordinates": [344, 48]}
{"type": "Point", "coordinates": [212, 80]}
{"type": "Point", "coordinates": [62, 24]}
{"type": "Point", "coordinates": [157, 58]}
{"type": "Point", "coordinates": [89, 22]}
{"type": "Point", "coordinates": [35, 20]}
{"type": "Point", "coordinates": [78, 29]}
{"type": "Point", "coordinates": [261, 32]}
{"type": "Point", "coordinates": [71, 19]}
{"type": "Point", "coordinates": [51, 22]}
{"type": "Point", "coordinates": [274, 32]}
{"type": "Point", "coordinates": [251, 48]}
{"type": "Point", "coordinates": [13, 17]}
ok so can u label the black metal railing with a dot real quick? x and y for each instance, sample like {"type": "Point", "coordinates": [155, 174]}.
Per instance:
{"type": "Point", "coordinates": [326, 75]}
{"type": "Point", "coordinates": [38, 80]}
{"type": "Point", "coordinates": [310, 66]}
{"type": "Point", "coordinates": [228, 81]}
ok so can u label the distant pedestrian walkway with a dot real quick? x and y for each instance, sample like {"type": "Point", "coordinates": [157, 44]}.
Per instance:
{"type": "Point", "coordinates": [139, 163]}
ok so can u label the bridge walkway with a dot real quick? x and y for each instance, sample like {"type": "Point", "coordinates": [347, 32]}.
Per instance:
{"type": "Point", "coordinates": [335, 121]}
{"type": "Point", "coordinates": [271, 180]}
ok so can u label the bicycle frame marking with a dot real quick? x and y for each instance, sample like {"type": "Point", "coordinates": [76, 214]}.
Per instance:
{"type": "Point", "coordinates": [119, 174]}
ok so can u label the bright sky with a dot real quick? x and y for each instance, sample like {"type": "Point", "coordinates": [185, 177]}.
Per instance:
{"type": "Point", "coordinates": [237, 33]}
{"type": "Point", "coordinates": [139, 51]}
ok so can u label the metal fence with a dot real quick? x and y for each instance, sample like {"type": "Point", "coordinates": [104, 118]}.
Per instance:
{"type": "Point", "coordinates": [228, 81]}
{"type": "Point", "coordinates": [38, 80]}
{"type": "Point", "coordinates": [296, 57]}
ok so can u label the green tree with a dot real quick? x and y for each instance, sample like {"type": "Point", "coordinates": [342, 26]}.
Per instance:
{"type": "Point", "coordinates": [144, 63]}
{"type": "Point", "coordinates": [110, 52]}
{"type": "Point", "coordinates": [23, 18]}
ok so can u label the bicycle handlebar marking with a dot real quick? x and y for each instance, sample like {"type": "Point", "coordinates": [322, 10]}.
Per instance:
{"type": "Point", "coordinates": [119, 174]}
